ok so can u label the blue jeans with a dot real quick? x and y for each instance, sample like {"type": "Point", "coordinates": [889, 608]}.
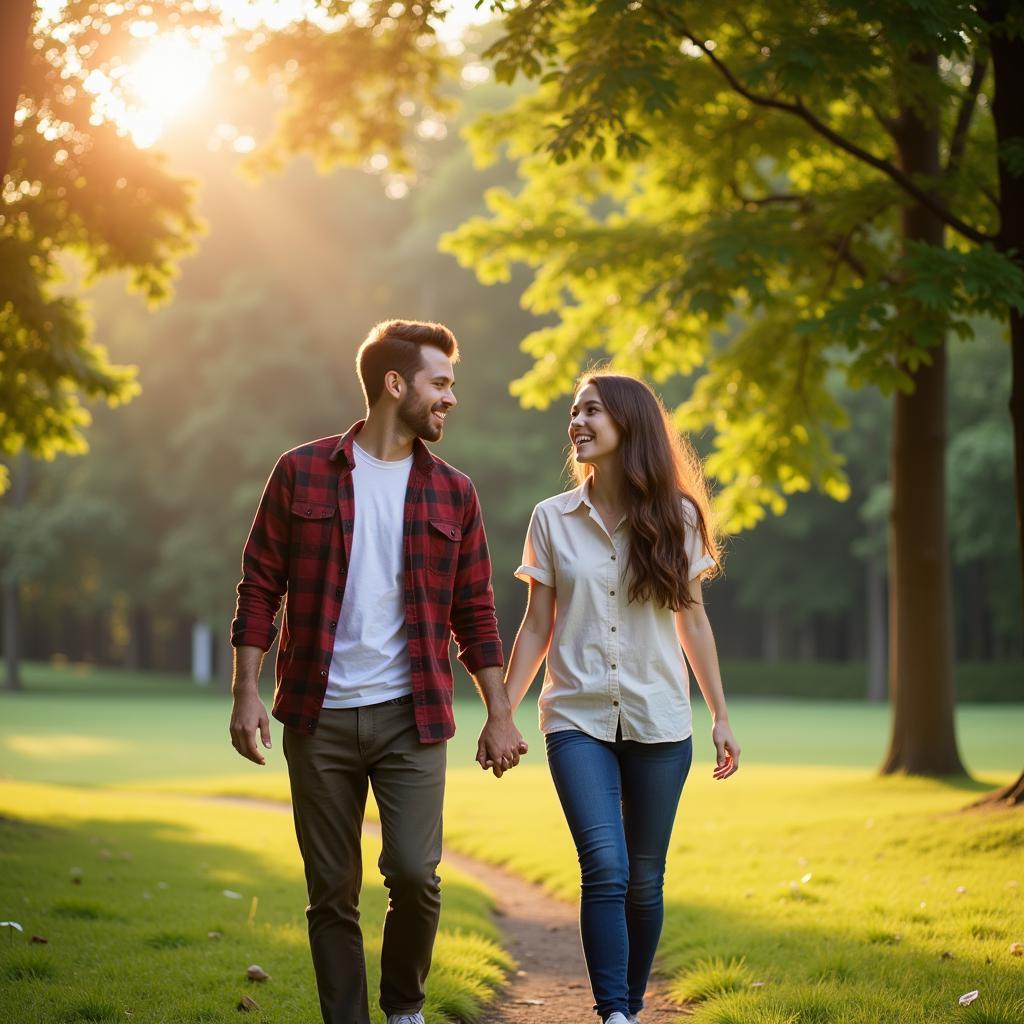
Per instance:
{"type": "Point", "coordinates": [620, 801]}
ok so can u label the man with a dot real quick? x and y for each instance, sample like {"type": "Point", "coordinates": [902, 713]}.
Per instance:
{"type": "Point", "coordinates": [380, 549]}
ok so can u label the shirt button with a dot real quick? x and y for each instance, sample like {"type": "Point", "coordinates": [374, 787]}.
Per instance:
{"type": "Point", "coordinates": [334, 625]}
{"type": "Point", "coordinates": [613, 558]}
{"type": "Point", "coordinates": [323, 673]}
{"type": "Point", "coordinates": [612, 592]}
{"type": "Point", "coordinates": [337, 592]}
{"type": "Point", "coordinates": [614, 665]}
{"type": "Point", "coordinates": [452, 532]}
{"type": "Point", "coordinates": [615, 703]}
{"type": "Point", "coordinates": [309, 511]}
{"type": "Point", "coordinates": [613, 629]}
{"type": "Point", "coordinates": [341, 571]}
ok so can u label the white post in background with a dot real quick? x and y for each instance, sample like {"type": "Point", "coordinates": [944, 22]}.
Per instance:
{"type": "Point", "coordinates": [202, 653]}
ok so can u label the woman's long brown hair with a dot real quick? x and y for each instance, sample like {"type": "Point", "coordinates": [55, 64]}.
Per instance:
{"type": "Point", "coordinates": [660, 468]}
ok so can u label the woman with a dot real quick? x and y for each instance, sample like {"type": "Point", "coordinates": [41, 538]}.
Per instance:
{"type": "Point", "coordinates": [614, 569]}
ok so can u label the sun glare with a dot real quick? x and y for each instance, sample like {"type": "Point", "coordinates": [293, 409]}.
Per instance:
{"type": "Point", "coordinates": [167, 78]}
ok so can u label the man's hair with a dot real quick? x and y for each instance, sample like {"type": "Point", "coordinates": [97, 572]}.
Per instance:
{"type": "Point", "coordinates": [397, 345]}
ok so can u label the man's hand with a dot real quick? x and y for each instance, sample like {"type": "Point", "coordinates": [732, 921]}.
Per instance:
{"type": "Point", "coordinates": [249, 716]}
{"type": "Point", "coordinates": [500, 745]}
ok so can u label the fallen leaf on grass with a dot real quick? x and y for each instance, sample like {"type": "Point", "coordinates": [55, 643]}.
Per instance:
{"type": "Point", "coordinates": [521, 974]}
{"type": "Point", "coordinates": [946, 955]}
{"type": "Point", "coordinates": [232, 895]}
{"type": "Point", "coordinates": [961, 889]}
{"type": "Point", "coordinates": [213, 935]}
{"type": "Point", "coordinates": [39, 940]}
{"type": "Point", "coordinates": [530, 1002]}
{"type": "Point", "coordinates": [967, 998]}
{"type": "Point", "coordinates": [256, 973]}
{"type": "Point", "coordinates": [1017, 949]}
{"type": "Point", "coordinates": [248, 1005]}
{"type": "Point", "coordinates": [757, 984]}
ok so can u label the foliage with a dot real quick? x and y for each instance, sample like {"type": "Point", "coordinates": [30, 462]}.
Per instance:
{"type": "Point", "coordinates": [78, 186]}
{"type": "Point", "coordinates": [706, 208]}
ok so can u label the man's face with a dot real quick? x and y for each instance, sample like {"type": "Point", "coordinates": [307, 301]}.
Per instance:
{"type": "Point", "coordinates": [426, 403]}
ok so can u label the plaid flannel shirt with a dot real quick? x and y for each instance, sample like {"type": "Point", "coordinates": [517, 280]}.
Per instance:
{"type": "Point", "coordinates": [299, 546]}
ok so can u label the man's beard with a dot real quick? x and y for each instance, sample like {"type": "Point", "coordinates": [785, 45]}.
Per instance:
{"type": "Point", "coordinates": [419, 418]}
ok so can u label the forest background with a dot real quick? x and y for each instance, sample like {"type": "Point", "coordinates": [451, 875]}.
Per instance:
{"type": "Point", "coordinates": [129, 555]}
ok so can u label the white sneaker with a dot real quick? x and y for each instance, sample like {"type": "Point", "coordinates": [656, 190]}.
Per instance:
{"type": "Point", "coordinates": [615, 1018]}
{"type": "Point", "coordinates": [406, 1018]}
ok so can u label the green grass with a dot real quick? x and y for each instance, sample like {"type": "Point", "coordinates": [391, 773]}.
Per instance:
{"type": "Point", "coordinates": [103, 727]}
{"type": "Point", "coordinates": [132, 939]}
{"type": "Point", "coordinates": [805, 889]}
{"type": "Point", "coordinates": [804, 894]}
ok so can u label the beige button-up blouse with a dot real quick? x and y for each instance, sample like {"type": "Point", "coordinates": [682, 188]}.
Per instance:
{"type": "Point", "coordinates": [612, 663]}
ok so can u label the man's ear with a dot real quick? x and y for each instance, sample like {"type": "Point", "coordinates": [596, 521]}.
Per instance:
{"type": "Point", "coordinates": [394, 384]}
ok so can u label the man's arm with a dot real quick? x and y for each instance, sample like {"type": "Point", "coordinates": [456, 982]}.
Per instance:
{"type": "Point", "coordinates": [263, 585]}
{"type": "Point", "coordinates": [248, 713]}
{"type": "Point", "coordinates": [501, 743]}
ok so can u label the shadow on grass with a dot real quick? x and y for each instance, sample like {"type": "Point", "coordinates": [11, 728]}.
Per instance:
{"type": "Point", "coordinates": [161, 920]}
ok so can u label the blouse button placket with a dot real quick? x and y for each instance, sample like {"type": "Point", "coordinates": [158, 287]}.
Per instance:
{"type": "Point", "coordinates": [612, 639]}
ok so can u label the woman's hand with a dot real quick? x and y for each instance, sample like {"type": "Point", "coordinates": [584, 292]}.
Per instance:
{"type": "Point", "coordinates": [728, 750]}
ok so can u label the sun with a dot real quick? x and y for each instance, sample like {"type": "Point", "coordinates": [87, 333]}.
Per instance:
{"type": "Point", "coordinates": [166, 78]}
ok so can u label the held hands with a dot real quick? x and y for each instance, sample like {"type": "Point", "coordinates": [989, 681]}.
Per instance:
{"type": "Point", "coordinates": [249, 716]}
{"type": "Point", "coordinates": [500, 745]}
{"type": "Point", "coordinates": [727, 748]}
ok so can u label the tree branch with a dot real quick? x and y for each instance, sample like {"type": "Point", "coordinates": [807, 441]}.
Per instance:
{"type": "Point", "coordinates": [958, 139]}
{"type": "Point", "coordinates": [799, 110]}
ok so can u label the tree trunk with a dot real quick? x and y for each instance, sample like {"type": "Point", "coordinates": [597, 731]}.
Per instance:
{"type": "Point", "coordinates": [878, 685]}
{"type": "Point", "coordinates": [921, 651]}
{"type": "Point", "coordinates": [19, 472]}
{"type": "Point", "coordinates": [15, 26]}
{"type": "Point", "coordinates": [1007, 57]}
{"type": "Point", "coordinates": [225, 661]}
{"type": "Point", "coordinates": [771, 636]}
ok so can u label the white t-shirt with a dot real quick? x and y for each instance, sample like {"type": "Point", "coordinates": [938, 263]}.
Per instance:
{"type": "Point", "coordinates": [371, 653]}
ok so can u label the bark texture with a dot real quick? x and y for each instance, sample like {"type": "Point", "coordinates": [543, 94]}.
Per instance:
{"type": "Point", "coordinates": [923, 738]}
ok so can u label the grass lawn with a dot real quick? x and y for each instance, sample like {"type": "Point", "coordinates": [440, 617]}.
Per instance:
{"type": "Point", "coordinates": [804, 895]}
{"type": "Point", "coordinates": [100, 727]}
{"type": "Point", "coordinates": [803, 891]}
{"type": "Point", "coordinates": [131, 940]}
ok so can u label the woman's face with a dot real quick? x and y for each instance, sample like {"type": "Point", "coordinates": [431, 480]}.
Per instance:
{"type": "Point", "coordinates": [592, 431]}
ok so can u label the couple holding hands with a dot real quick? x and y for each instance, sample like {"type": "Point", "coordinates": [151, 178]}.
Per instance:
{"type": "Point", "coordinates": [378, 549]}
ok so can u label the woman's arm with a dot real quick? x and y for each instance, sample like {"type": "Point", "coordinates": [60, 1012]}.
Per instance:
{"type": "Point", "coordinates": [532, 641]}
{"type": "Point", "coordinates": [694, 632]}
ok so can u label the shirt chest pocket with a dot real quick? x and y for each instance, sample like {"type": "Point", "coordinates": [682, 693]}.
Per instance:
{"type": "Point", "coordinates": [443, 543]}
{"type": "Point", "coordinates": [311, 523]}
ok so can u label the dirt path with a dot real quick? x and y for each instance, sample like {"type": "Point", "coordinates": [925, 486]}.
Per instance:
{"type": "Point", "coordinates": [541, 932]}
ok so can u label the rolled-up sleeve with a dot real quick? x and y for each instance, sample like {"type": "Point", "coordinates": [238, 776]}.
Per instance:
{"type": "Point", "coordinates": [473, 621]}
{"type": "Point", "coordinates": [696, 556]}
{"type": "Point", "coordinates": [265, 564]}
{"type": "Point", "coordinates": [537, 561]}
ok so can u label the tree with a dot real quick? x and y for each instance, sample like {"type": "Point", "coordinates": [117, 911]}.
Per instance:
{"type": "Point", "coordinates": [818, 172]}
{"type": "Point", "coordinates": [72, 185]}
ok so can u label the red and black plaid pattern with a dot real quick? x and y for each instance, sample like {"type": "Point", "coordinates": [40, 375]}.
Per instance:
{"type": "Point", "coordinates": [299, 549]}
